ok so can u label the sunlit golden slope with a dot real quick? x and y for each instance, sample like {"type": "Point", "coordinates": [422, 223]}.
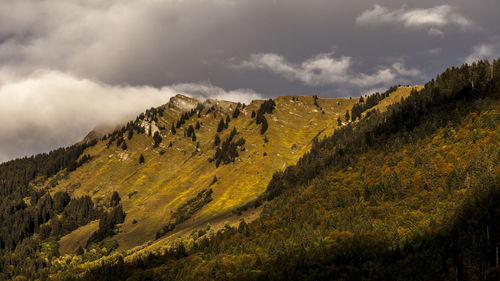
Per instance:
{"type": "Point", "coordinates": [172, 175]}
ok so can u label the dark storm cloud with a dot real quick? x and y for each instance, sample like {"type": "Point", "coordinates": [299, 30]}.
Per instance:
{"type": "Point", "coordinates": [165, 42]}
{"type": "Point", "coordinates": [68, 56]}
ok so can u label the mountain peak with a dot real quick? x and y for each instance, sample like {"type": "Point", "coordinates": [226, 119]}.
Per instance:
{"type": "Point", "coordinates": [183, 102]}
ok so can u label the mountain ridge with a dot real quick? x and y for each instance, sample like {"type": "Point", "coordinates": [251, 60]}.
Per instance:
{"type": "Point", "coordinates": [227, 195]}
{"type": "Point", "coordinates": [289, 178]}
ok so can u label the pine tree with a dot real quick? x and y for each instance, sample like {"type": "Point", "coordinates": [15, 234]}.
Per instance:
{"type": "Point", "coordinates": [227, 122]}
{"type": "Point", "coordinates": [217, 140]}
{"type": "Point", "coordinates": [339, 122]}
{"type": "Point", "coordinates": [115, 199]}
{"type": "Point", "coordinates": [157, 139]}
{"type": "Point", "coordinates": [124, 145]}
{"type": "Point", "coordinates": [221, 125]}
{"type": "Point", "coordinates": [130, 134]}
{"type": "Point", "coordinates": [232, 134]}
{"type": "Point", "coordinates": [190, 131]}
{"type": "Point", "coordinates": [141, 159]}
{"type": "Point", "coordinates": [361, 100]}
{"type": "Point", "coordinates": [253, 113]}
{"type": "Point", "coordinates": [347, 116]}
{"type": "Point", "coordinates": [194, 137]}
{"type": "Point", "coordinates": [243, 228]}
{"type": "Point", "coordinates": [197, 127]}
{"type": "Point", "coordinates": [236, 113]}
{"type": "Point", "coordinates": [263, 129]}
{"type": "Point", "coordinates": [173, 129]}
{"type": "Point", "coordinates": [214, 180]}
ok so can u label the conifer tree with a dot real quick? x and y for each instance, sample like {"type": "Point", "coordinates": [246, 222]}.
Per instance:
{"type": "Point", "coordinates": [264, 127]}
{"type": "Point", "coordinates": [221, 125]}
{"type": "Point", "coordinates": [141, 159]}
{"type": "Point", "coordinates": [236, 113]}
{"type": "Point", "coordinates": [173, 129]}
{"type": "Point", "coordinates": [157, 139]}
{"type": "Point", "coordinates": [115, 199]}
{"type": "Point", "coordinates": [339, 122]}
{"type": "Point", "coordinates": [217, 140]}
{"type": "Point", "coordinates": [347, 116]}
{"type": "Point", "coordinates": [214, 180]}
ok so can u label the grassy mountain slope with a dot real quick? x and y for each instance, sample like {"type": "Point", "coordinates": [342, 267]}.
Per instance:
{"type": "Point", "coordinates": [171, 176]}
{"type": "Point", "coordinates": [410, 194]}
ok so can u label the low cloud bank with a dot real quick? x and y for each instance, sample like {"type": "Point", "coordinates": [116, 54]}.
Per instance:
{"type": "Point", "coordinates": [51, 109]}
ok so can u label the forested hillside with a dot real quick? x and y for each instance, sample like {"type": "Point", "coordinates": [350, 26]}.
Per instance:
{"type": "Point", "coordinates": [217, 190]}
{"type": "Point", "coordinates": [180, 168]}
{"type": "Point", "coordinates": [409, 194]}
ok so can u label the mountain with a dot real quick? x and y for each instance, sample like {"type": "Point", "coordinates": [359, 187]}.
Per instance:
{"type": "Point", "coordinates": [406, 188]}
{"type": "Point", "coordinates": [180, 167]}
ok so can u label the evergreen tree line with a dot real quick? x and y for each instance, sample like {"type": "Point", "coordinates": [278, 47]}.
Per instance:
{"type": "Point", "coordinates": [79, 211]}
{"type": "Point", "coordinates": [371, 101]}
{"type": "Point", "coordinates": [431, 108]}
{"type": "Point", "coordinates": [16, 174]}
{"type": "Point", "coordinates": [20, 220]}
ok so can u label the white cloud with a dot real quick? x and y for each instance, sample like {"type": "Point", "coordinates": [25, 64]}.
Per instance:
{"type": "Point", "coordinates": [321, 69]}
{"type": "Point", "coordinates": [373, 90]}
{"type": "Point", "coordinates": [483, 51]}
{"type": "Point", "coordinates": [206, 90]}
{"type": "Point", "coordinates": [52, 109]}
{"type": "Point", "coordinates": [402, 70]}
{"type": "Point", "coordinates": [325, 69]}
{"type": "Point", "coordinates": [433, 20]}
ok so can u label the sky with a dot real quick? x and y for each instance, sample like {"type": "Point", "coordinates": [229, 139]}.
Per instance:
{"type": "Point", "coordinates": [69, 66]}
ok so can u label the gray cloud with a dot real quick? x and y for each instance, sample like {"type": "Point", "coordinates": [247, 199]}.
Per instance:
{"type": "Point", "coordinates": [431, 19]}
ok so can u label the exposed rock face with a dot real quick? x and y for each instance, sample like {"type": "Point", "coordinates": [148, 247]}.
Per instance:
{"type": "Point", "coordinates": [146, 124]}
{"type": "Point", "coordinates": [183, 103]}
